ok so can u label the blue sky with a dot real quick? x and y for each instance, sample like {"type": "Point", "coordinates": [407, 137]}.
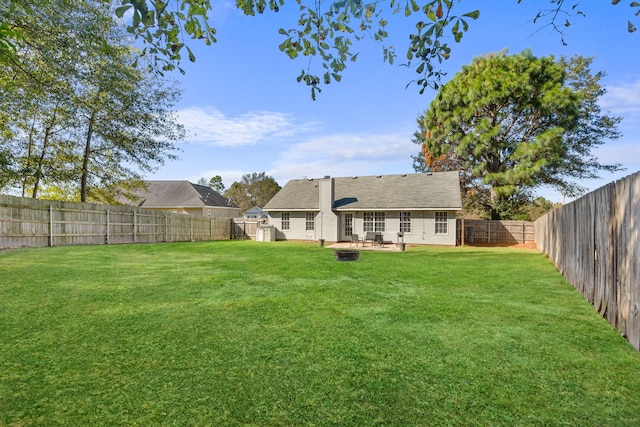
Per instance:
{"type": "Point", "coordinates": [244, 111]}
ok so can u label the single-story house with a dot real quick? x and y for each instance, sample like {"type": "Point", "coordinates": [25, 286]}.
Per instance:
{"type": "Point", "coordinates": [184, 197]}
{"type": "Point", "coordinates": [422, 207]}
{"type": "Point", "coordinates": [255, 212]}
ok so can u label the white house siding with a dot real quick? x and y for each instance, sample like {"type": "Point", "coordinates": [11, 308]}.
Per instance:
{"type": "Point", "coordinates": [423, 224]}
{"type": "Point", "coordinates": [297, 226]}
{"type": "Point", "coordinates": [423, 229]}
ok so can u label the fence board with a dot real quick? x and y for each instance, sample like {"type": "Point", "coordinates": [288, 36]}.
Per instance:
{"type": "Point", "coordinates": [593, 241]}
{"type": "Point", "coordinates": [35, 223]}
{"type": "Point", "coordinates": [488, 232]}
{"type": "Point", "coordinates": [244, 228]}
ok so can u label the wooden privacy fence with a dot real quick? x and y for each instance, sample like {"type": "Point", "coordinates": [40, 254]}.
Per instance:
{"type": "Point", "coordinates": [593, 242]}
{"type": "Point", "coordinates": [477, 231]}
{"type": "Point", "coordinates": [32, 223]}
{"type": "Point", "coordinates": [244, 228]}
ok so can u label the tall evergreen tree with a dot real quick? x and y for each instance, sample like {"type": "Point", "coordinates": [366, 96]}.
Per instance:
{"type": "Point", "coordinates": [517, 122]}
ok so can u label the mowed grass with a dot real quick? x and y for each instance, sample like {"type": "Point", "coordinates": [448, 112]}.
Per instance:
{"type": "Point", "coordinates": [281, 334]}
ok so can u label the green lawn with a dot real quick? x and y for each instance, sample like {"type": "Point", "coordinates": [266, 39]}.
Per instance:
{"type": "Point", "coordinates": [261, 334]}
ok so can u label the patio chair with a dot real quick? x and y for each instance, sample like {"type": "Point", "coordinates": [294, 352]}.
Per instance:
{"type": "Point", "coordinates": [369, 237]}
{"type": "Point", "coordinates": [354, 239]}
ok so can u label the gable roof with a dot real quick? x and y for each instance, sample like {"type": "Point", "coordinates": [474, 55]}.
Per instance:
{"type": "Point", "coordinates": [423, 191]}
{"type": "Point", "coordinates": [166, 194]}
{"type": "Point", "coordinates": [256, 210]}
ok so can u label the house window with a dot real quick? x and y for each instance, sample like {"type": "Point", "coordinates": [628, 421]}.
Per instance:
{"type": "Point", "coordinates": [441, 223]}
{"type": "Point", "coordinates": [405, 222]}
{"type": "Point", "coordinates": [379, 221]}
{"type": "Point", "coordinates": [374, 221]}
{"type": "Point", "coordinates": [348, 224]}
{"type": "Point", "coordinates": [310, 221]}
{"type": "Point", "coordinates": [368, 221]}
{"type": "Point", "coordinates": [285, 220]}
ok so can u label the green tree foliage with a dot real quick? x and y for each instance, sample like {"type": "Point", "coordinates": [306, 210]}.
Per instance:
{"type": "Point", "coordinates": [538, 207]}
{"type": "Point", "coordinates": [34, 92]}
{"type": "Point", "coordinates": [327, 31]}
{"type": "Point", "coordinates": [215, 183]}
{"type": "Point", "coordinates": [512, 123]}
{"type": "Point", "coordinates": [254, 189]}
{"type": "Point", "coordinates": [594, 128]}
{"type": "Point", "coordinates": [128, 126]}
{"type": "Point", "coordinates": [7, 174]}
{"type": "Point", "coordinates": [475, 196]}
{"type": "Point", "coordinates": [38, 129]}
{"type": "Point", "coordinates": [76, 108]}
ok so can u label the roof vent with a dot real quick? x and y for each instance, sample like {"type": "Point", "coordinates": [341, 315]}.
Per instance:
{"type": "Point", "coordinates": [404, 174]}
{"type": "Point", "coordinates": [379, 176]}
{"type": "Point", "coordinates": [354, 177]}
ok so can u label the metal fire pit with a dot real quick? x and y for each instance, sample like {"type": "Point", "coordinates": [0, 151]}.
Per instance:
{"type": "Point", "coordinates": [347, 255]}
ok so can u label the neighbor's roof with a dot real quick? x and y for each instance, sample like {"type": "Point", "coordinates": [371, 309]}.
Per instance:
{"type": "Point", "coordinates": [423, 191]}
{"type": "Point", "coordinates": [171, 194]}
{"type": "Point", "coordinates": [254, 210]}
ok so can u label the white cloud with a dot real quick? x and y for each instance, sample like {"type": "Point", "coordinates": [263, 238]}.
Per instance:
{"type": "Point", "coordinates": [346, 155]}
{"type": "Point", "coordinates": [286, 148]}
{"type": "Point", "coordinates": [341, 147]}
{"type": "Point", "coordinates": [208, 125]}
{"type": "Point", "coordinates": [623, 99]}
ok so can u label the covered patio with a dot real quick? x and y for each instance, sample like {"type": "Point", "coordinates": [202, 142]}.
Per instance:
{"type": "Point", "coordinates": [387, 247]}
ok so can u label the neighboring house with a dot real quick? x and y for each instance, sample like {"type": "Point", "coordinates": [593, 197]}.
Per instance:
{"type": "Point", "coordinates": [255, 212]}
{"type": "Point", "coordinates": [184, 197]}
{"type": "Point", "coordinates": [421, 206]}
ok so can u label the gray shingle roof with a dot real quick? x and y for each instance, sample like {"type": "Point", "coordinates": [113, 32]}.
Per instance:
{"type": "Point", "coordinates": [424, 191]}
{"type": "Point", "coordinates": [181, 194]}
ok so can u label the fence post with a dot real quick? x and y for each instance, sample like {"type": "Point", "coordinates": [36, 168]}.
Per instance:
{"type": "Point", "coordinates": [51, 225]}
{"type": "Point", "coordinates": [166, 228]}
{"type": "Point", "coordinates": [462, 233]}
{"type": "Point", "coordinates": [107, 235]}
{"type": "Point", "coordinates": [191, 228]}
{"type": "Point", "coordinates": [135, 225]}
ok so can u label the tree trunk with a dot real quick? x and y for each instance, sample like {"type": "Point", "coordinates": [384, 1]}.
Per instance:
{"type": "Point", "coordinates": [494, 203]}
{"type": "Point", "coordinates": [85, 159]}
{"type": "Point", "coordinates": [29, 154]}
{"type": "Point", "coordinates": [43, 153]}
